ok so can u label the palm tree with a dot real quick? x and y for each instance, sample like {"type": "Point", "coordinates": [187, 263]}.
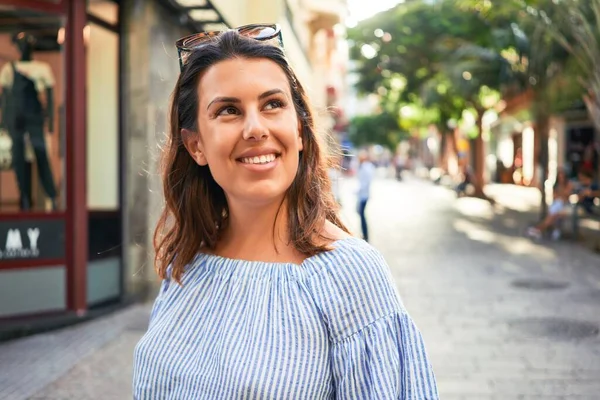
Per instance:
{"type": "Point", "coordinates": [531, 61]}
{"type": "Point", "coordinates": [544, 33]}
{"type": "Point", "coordinates": [575, 25]}
{"type": "Point", "coordinates": [540, 66]}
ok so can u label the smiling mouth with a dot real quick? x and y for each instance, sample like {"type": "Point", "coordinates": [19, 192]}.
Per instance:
{"type": "Point", "coordinates": [264, 159]}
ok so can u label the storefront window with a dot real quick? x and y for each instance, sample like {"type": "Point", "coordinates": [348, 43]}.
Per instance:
{"type": "Point", "coordinates": [103, 153]}
{"type": "Point", "coordinates": [102, 119]}
{"type": "Point", "coordinates": [32, 109]}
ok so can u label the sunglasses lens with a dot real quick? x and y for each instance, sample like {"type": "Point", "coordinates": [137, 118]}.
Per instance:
{"type": "Point", "coordinates": [198, 39]}
{"type": "Point", "coordinates": [259, 32]}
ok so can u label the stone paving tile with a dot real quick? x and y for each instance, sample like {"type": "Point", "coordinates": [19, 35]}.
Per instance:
{"type": "Point", "coordinates": [30, 364]}
{"type": "Point", "coordinates": [105, 374]}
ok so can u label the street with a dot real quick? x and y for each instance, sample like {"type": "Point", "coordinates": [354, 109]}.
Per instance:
{"type": "Point", "coordinates": [503, 317]}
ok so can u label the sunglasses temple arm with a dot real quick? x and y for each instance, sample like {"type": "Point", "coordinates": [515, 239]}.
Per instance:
{"type": "Point", "coordinates": [180, 62]}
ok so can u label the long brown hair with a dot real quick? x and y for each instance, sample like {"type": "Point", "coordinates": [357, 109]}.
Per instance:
{"type": "Point", "coordinates": [196, 209]}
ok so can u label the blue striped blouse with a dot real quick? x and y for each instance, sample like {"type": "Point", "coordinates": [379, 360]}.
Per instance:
{"type": "Point", "coordinates": [333, 327]}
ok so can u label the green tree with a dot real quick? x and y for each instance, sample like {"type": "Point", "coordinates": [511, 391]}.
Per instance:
{"type": "Point", "coordinates": [379, 128]}
{"type": "Point", "coordinates": [415, 41]}
{"type": "Point", "coordinates": [478, 73]}
{"type": "Point", "coordinates": [439, 95]}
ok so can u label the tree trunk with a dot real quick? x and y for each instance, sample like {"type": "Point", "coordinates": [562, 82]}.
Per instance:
{"type": "Point", "coordinates": [542, 125]}
{"type": "Point", "coordinates": [592, 103]}
{"type": "Point", "coordinates": [443, 151]}
{"type": "Point", "coordinates": [479, 162]}
{"type": "Point", "coordinates": [452, 154]}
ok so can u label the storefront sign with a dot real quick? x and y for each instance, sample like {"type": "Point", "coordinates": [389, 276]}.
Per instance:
{"type": "Point", "coordinates": [22, 240]}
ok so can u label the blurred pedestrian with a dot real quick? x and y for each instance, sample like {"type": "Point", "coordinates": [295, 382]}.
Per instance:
{"type": "Point", "coordinates": [264, 292]}
{"type": "Point", "coordinates": [587, 191]}
{"type": "Point", "coordinates": [562, 190]}
{"type": "Point", "coordinates": [366, 173]}
{"type": "Point", "coordinates": [399, 164]}
{"type": "Point", "coordinates": [466, 180]}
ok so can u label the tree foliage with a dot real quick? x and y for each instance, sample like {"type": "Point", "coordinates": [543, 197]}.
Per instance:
{"type": "Point", "coordinates": [380, 129]}
{"type": "Point", "coordinates": [443, 55]}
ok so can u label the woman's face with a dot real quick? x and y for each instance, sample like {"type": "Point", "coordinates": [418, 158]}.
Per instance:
{"type": "Point", "coordinates": [249, 132]}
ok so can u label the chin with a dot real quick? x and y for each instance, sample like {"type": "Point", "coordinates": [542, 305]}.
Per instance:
{"type": "Point", "coordinates": [261, 192]}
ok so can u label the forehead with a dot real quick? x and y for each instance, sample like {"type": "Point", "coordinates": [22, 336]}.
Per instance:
{"type": "Point", "coordinates": [239, 77]}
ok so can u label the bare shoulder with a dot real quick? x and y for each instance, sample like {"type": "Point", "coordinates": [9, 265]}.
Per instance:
{"type": "Point", "coordinates": [333, 232]}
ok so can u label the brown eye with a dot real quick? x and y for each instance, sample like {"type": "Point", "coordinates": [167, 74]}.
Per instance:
{"type": "Point", "coordinates": [272, 104]}
{"type": "Point", "coordinates": [229, 110]}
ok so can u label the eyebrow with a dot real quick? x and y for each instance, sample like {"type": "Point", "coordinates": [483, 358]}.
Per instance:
{"type": "Point", "coordinates": [236, 100]}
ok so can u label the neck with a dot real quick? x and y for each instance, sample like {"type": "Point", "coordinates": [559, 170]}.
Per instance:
{"type": "Point", "coordinates": [256, 231]}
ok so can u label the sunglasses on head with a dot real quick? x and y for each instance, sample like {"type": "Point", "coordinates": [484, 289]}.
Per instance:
{"type": "Point", "coordinates": [262, 32]}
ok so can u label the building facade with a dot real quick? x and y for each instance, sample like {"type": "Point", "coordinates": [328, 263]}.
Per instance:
{"type": "Point", "coordinates": [572, 143]}
{"type": "Point", "coordinates": [80, 189]}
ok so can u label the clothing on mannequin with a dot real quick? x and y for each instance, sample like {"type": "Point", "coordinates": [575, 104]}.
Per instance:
{"type": "Point", "coordinates": [22, 83]}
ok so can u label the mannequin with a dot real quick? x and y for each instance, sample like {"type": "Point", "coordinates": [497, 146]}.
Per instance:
{"type": "Point", "coordinates": [22, 112]}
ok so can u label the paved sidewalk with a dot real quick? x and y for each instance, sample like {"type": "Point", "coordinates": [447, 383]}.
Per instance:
{"type": "Point", "coordinates": [88, 361]}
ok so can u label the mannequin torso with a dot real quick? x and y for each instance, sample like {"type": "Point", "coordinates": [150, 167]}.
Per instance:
{"type": "Point", "coordinates": [37, 71]}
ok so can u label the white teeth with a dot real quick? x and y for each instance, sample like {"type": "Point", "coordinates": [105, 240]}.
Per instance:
{"type": "Point", "coordinates": [259, 159]}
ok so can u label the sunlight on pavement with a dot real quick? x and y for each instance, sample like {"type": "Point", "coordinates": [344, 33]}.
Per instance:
{"type": "Point", "coordinates": [511, 244]}
{"type": "Point", "coordinates": [516, 198]}
{"type": "Point", "coordinates": [474, 232]}
{"type": "Point", "coordinates": [474, 208]}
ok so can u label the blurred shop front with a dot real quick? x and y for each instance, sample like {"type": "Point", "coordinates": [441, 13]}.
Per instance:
{"type": "Point", "coordinates": [84, 90]}
{"type": "Point", "coordinates": [573, 144]}
{"type": "Point", "coordinates": [60, 204]}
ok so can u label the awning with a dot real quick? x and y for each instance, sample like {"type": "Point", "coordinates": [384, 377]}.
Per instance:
{"type": "Point", "coordinates": [198, 15]}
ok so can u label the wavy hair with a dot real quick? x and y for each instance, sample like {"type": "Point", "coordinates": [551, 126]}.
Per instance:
{"type": "Point", "coordinates": [196, 210]}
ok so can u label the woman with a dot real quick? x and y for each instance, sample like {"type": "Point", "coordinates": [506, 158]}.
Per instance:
{"type": "Point", "coordinates": [265, 295]}
{"type": "Point", "coordinates": [562, 190]}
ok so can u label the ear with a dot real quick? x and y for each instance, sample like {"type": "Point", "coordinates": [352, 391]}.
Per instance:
{"type": "Point", "coordinates": [300, 142]}
{"type": "Point", "coordinates": [193, 144]}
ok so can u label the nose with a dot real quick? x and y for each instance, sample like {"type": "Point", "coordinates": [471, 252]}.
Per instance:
{"type": "Point", "coordinates": [254, 129]}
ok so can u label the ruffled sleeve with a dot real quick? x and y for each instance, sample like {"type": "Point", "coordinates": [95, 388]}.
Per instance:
{"type": "Point", "coordinates": [377, 351]}
{"type": "Point", "coordinates": [385, 360]}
